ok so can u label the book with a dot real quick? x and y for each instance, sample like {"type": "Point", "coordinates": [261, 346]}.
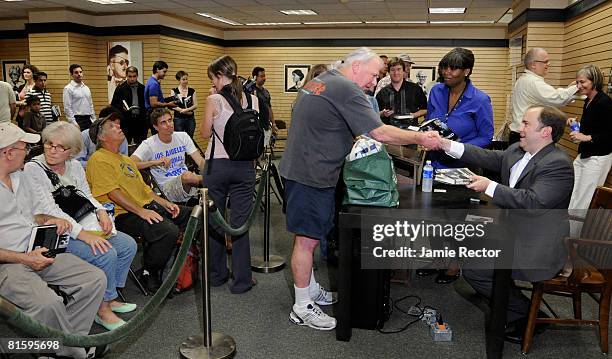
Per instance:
{"type": "Point", "coordinates": [454, 176]}
{"type": "Point", "coordinates": [46, 236]}
{"type": "Point", "coordinates": [129, 108]}
{"type": "Point", "coordinates": [403, 117]}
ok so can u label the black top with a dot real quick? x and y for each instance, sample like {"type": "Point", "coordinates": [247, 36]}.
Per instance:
{"type": "Point", "coordinates": [183, 103]}
{"type": "Point", "coordinates": [122, 93]}
{"type": "Point", "coordinates": [597, 123]}
{"type": "Point", "coordinates": [413, 95]}
{"type": "Point", "coordinates": [265, 102]}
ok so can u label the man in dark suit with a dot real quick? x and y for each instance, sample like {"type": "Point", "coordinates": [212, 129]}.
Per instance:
{"type": "Point", "coordinates": [536, 177]}
{"type": "Point", "coordinates": [129, 98]}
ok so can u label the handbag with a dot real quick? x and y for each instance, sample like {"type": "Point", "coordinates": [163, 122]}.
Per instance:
{"type": "Point", "coordinates": [70, 200]}
{"type": "Point", "coordinates": [370, 177]}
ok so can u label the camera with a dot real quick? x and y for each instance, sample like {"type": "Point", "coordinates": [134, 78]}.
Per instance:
{"type": "Point", "coordinates": [248, 85]}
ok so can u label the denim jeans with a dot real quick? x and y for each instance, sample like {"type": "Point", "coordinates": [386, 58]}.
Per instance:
{"type": "Point", "coordinates": [115, 263]}
{"type": "Point", "coordinates": [185, 125]}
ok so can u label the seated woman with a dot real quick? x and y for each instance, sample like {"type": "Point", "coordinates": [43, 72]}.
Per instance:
{"type": "Point", "coordinates": [94, 238]}
{"type": "Point", "coordinates": [467, 111]}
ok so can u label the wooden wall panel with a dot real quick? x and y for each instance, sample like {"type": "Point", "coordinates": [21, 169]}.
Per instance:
{"type": "Point", "coordinates": [588, 40]}
{"type": "Point", "coordinates": [491, 71]}
{"type": "Point", "coordinates": [14, 49]}
{"type": "Point", "coordinates": [192, 57]}
{"type": "Point", "coordinates": [50, 53]}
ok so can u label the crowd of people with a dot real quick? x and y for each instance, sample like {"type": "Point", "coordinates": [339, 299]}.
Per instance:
{"type": "Point", "coordinates": [362, 94]}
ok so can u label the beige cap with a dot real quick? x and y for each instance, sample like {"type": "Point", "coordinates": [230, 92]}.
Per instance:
{"type": "Point", "coordinates": [10, 133]}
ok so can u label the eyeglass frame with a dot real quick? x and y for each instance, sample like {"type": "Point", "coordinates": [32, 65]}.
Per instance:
{"type": "Point", "coordinates": [27, 148]}
{"type": "Point", "coordinates": [57, 148]}
{"type": "Point", "coordinates": [547, 62]}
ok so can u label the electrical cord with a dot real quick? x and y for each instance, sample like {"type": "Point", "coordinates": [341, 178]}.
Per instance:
{"type": "Point", "coordinates": [395, 304]}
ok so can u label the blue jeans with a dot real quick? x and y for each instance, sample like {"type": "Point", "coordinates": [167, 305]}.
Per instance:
{"type": "Point", "coordinates": [115, 263]}
{"type": "Point", "coordinates": [185, 125]}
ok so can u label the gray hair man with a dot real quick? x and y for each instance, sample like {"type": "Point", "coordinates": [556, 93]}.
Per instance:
{"type": "Point", "coordinates": [330, 111]}
{"type": "Point", "coordinates": [531, 89]}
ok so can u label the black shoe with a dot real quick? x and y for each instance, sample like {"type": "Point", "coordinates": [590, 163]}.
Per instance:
{"type": "Point", "coordinates": [149, 281]}
{"type": "Point", "coordinates": [444, 278]}
{"type": "Point", "coordinates": [425, 271]}
{"type": "Point", "coordinates": [515, 331]}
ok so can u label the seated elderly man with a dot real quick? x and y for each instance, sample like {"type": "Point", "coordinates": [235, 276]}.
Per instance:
{"type": "Point", "coordinates": [165, 153]}
{"type": "Point", "coordinates": [139, 211]}
{"type": "Point", "coordinates": [89, 147]}
{"type": "Point", "coordinates": [24, 276]}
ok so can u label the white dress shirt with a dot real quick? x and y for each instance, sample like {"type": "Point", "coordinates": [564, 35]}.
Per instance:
{"type": "Point", "coordinates": [531, 90]}
{"type": "Point", "coordinates": [456, 151]}
{"type": "Point", "coordinates": [77, 101]}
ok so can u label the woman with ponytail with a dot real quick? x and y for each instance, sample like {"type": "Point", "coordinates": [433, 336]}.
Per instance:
{"type": "Point", "coordinates": [227, 179]}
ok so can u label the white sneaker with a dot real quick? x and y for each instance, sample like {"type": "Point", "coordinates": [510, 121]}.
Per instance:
{"type": "Point", "coordinates": [324, 297]}
{"type": "Point", "coordinates": [313, 317]}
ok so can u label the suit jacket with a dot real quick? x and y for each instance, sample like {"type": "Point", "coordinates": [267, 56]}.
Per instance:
{"type": "Point", "coordinates": [124, 92]}
{"type": "Point", "coordinates": [545, 184]}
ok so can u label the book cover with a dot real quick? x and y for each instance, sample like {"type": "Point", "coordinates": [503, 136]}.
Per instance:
{"type": "Point", "coordinates": [454, 176]}
{"type": "Point", "coordinates": [46, 236]}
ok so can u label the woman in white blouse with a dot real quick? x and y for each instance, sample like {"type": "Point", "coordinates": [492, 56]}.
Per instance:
{"type": "Point", "coordinates": [94, 238]}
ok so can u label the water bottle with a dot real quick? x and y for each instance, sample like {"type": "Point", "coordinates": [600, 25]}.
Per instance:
{"type": "Point", "coordinates": [427, 184]}
{"type": "Point", "coordinates": [575, 125]}
{"type": "Point", "coordinates": [110, 209]}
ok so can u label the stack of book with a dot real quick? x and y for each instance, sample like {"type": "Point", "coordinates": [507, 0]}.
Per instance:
{"type": "Point", "coordinates": [455, 176]}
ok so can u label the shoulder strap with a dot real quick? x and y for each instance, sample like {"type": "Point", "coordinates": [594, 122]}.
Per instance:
{"type": "Point", "coordinates": [236, 107]}
{"type": "Point", "coordinates": [53, 177]}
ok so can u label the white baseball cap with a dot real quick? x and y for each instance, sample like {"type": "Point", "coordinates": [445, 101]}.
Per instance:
{"type": "Point", "coordinates": [10, 133]}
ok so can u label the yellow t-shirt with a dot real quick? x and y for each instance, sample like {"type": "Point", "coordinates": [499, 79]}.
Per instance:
{"type": "Point", "coordinates": [107, 171]}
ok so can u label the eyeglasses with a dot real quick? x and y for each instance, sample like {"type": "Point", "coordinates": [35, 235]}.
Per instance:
{"type": "Point", "coordinates": [122, 62]}
{"type": "Point", "coordinates": [26, 149]}
{"type": "Point", "coordinates": [57, 148]}
{"type": "Point", "coordinates": [547, 62]}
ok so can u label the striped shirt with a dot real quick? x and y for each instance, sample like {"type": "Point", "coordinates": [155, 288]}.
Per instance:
{"type": "Point", "coordinates": [45, 102]}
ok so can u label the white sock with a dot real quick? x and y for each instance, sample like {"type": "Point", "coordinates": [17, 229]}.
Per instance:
{"type": "Point", "coordinates": [313, 287]}
{"type": "Point", "coordinates": [302, 297]}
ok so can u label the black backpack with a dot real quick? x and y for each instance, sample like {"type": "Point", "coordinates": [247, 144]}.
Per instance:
{"type": "Point", "coordinates": [243, 138]}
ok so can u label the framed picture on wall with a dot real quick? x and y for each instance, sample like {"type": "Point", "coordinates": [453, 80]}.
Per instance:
{"type": "Point", "coordinates": [121, 55]}
{"type": "Point", "coordinates": [424, 76]}
{"type": "Point", "coordinates": [294, 77]}
{"type": "Point", "coordinates": [11, 73]}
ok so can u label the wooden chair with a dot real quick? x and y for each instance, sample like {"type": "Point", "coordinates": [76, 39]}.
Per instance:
{"type": "Point", "coordinates": [408, 161]}
{"type": "Point", "coordinates": [591, 259]}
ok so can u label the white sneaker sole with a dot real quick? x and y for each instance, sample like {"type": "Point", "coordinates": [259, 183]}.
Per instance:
{"type": "Point", "coordinates": [295, 319]}
{"type": "Point", "coordinates": [324, 303]}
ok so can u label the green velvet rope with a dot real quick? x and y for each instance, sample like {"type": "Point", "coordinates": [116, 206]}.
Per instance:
{"type": "Point", "coordinates": [16, 317]}
{"type": "Point", "coordinates": [219, 220]}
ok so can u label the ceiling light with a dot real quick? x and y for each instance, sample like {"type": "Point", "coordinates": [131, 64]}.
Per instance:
{"type": "Point", "coordinates": [464, 22]}
{"type": "Point", "coordinates": [110, 2]}
{"type": "Point", "coordinates": [298, 12]}
{"type": "Point", "coordinates": [396, 22]}
{"type": "Point", "coordinates": [333, 23]}
{"type": "Point", "coordinates": [273, 23]}
{"type": "Point", "coordinates": [446, 10]}
{"type": "Point", "coordinates": [12, 0]}
{"type": "Point", "coordinates": [218, 18]}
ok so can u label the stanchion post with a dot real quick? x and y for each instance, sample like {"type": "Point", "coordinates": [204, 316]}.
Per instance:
{"type": "Point", "coordinates": [267, 263]}
{"type": "Point", "coordinates": [209, 344]}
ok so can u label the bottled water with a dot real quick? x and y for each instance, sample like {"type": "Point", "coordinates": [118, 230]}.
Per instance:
{"type": "Point", "coordinates": [575, 126]}
{"type": "Point", "coordinates": [427, 184]}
